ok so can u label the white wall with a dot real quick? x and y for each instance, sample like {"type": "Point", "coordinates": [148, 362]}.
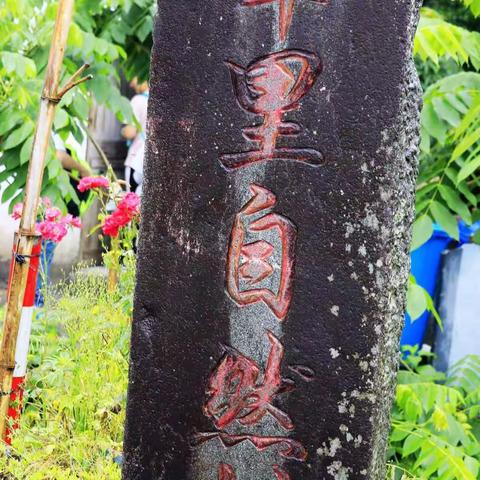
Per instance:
{"type": "Point", "coordinates": [7, 229]}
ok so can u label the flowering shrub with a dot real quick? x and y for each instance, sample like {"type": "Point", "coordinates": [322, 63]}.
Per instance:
{"type": "Point", "coordinates": [127, 209]}
{"type": "Point", "coordinates": [52, 224]}
{"type": "Point", "coordinates": [120, 225]}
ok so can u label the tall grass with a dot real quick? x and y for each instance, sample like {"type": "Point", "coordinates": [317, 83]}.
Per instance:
{"type": "Point", "coordinates": [72, 426]}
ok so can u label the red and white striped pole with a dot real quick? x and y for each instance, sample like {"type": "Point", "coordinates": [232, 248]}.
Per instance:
{"type": "Point", "coordinates": [23, 339]}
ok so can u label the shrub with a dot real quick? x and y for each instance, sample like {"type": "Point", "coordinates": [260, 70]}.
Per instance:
{"type": "Point", "coordinates": [436, 421]}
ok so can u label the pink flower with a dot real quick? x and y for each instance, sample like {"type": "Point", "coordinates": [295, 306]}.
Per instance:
{"type": "Point", "coordinates": [110, 226]}
{"type": "Point", "coordinates": [67, 219]}
{"type": "Point", "coordinates": [122, 217]}
{"type": "Point", "coordinates": [58, 232]}
{"type": "Point", "coordinates": [17, 211]}
{"type": "Point", "coordinates": [89, 183]}
{"type": "Point", "coordinates": [114, 222]}
{"type": "Point", "coordinates": [52, 213]}
{"type": "Point", "coordinates": [130, 203]}
{"type": "Point", "coordinates": [53, 226]}
{"type": "Point", "coordinates": [52, 231]}
{"type": "Point", "coordinates": [127, 209]}
{"type": "Point", "coordinates": [71, 221]}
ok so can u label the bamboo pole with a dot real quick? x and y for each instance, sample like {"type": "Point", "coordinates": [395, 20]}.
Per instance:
{"type": "Point", "coordinates": [26, 235]}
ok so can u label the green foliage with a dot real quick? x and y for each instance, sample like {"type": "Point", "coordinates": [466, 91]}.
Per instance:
{"type": "Point", "coordinates": [125, 23]}
{"type": "Point", "coordinates": [435, 433]}
{"type": "Point", "coordinates": [474, 6]}
{"type": "Point", "coordinates": [450, 150]}
{"type": "Point", "coordinates": [111, 35]}
{"type": "Point", "coordinates": [437, 38]}
{"type": "Point", "coordinates": [448, 186]}
{"type": "Point", "coordinates": [72, 427]}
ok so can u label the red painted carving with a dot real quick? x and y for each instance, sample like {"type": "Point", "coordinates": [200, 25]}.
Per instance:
{"type": "Point", "coordinates": [226, 472]}
{"type": "Point", "coordinates": [270, 87]}
{"type": "Point", "coordinates": [248, 262]}
{"type": "Point", "coordinates": [288, 448]}
{"type": "Point", "coordinates": [280, 473]}
{"type": "Point", "coordinates": [286, 9]}
{"type": "Point", "coordinates": [235, 393]}
{"type": "Point", "coordinates": [305, 373]}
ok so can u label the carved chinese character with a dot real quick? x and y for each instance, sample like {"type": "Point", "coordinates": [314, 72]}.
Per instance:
{"type": "Point", "coordinates": [270, 87]}
{"type": "Point", "coordinates": [237, 393]}
{"type": "Point", "coordinates": [285, 12]}
{"type": "Point", "coordinates": [247, 263]}
{"type": "Point", "coordinates": [288, 447]}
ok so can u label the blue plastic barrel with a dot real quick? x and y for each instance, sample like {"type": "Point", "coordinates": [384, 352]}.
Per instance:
{"type": "Point", "coordinates": [426, 264]}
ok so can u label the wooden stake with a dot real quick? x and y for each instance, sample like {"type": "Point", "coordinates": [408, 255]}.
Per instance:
{"type": "Point", "coordinates": [49, 100]}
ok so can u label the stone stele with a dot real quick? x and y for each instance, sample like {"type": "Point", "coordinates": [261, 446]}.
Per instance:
{"type": "Point", "coordinates": [273, 256]}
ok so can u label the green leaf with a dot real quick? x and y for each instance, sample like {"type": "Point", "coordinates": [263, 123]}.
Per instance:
{"type": "Point", "coordinates": [425, 141]}
{"type": "Point", "coordinates": [8, 120]}
{"type": "Point", "coordinates": [446, 111]}
{"type": "Point", "coordinates": [412, 443]}
{"type": "Point", "coordinates": [416, 301]}
{"type": "Point", "coordinates": [54, 167]}
{"type": "Point", "coordinates": [466, 143]}
{"type": "Point", "coordinates": [145, 28]}
{"type": "Point", "coordinates": [468, 120]}
{"type": "Point", "coordinates": [100, 46]}
{"type": "Point", "coordinates": [124, 112]}
{"type": "Point", "coordinates": [431, 308]}
{"type": "Point", "coordinates": [464, 190]}
{"type": "Point", "coordinates": [455, 203]}
{"type": "Point", "coordinates": [474, 6]}
{"type": "Point", "coordinates": [422, 231]}
{"type": "Point", "coordinates": [26, 151]}
{"type": "Point", "coordinates": [18, 64]}
{"type": "Point", "coordinates": [445, 219]}
{"type": "Point", "coordinates": [19, 135]}
{"type": "Point", "coordinates": [10, 158]}
{"type": "Point", "coordinates": [473, 466]}
{"type": "Point", "coordinates": [61, 119]}
{"type": "Point", "coordinates": [12, 189]}
{"type": "Point", "coordinates": [432, 124]}
{"type": "Point", "coordinates": [101, 88]}
{"type": "Point", "coordinates": [75, 36]}
{"type": "Point", "coordinates": [398, 435]}
{"type": "Point", "coordinates": [468, 169]}
{"type": "Point", "coordinates": [79, 107]}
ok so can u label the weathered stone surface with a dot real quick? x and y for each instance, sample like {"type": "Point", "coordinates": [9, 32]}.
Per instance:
{"type": "Point", "coordinates": [273, 264]}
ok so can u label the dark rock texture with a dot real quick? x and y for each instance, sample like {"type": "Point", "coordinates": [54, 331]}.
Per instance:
{"type": "Point", "coordinates": [273, 265]}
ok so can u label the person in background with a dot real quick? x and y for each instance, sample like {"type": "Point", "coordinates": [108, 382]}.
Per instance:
{"type": "Point", "coordinates": [136, 136]}
{"type": "Point", "coordinates": [70, 165]}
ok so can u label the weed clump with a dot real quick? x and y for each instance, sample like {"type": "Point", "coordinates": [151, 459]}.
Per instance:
{"type": "Point", "coordinates": [75, 394]}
